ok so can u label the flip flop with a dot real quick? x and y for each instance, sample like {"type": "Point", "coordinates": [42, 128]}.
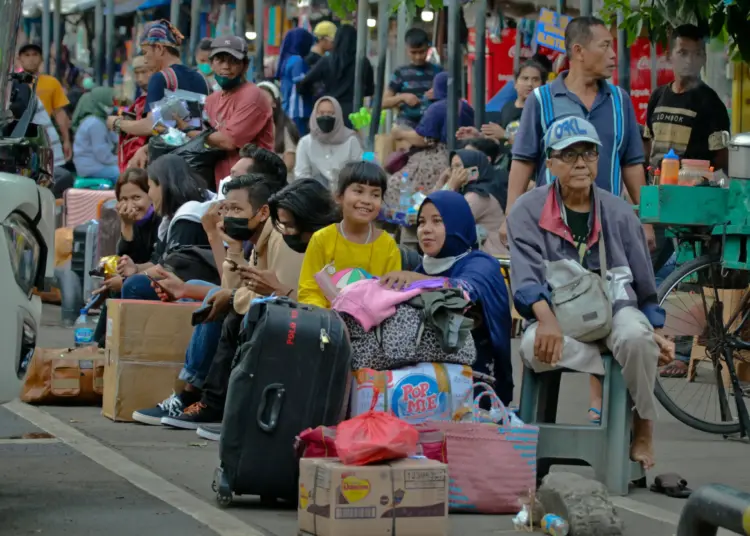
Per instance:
{"type": "Point", "coordinates": [672, 485]}
{"type": "Point", "coordinates": [598, 418]}
{"type": "Point", "coordinates": [673, 370]}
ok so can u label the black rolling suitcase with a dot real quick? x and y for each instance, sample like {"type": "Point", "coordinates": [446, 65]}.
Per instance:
{"type": "Point", "coordinates": [291, 372]}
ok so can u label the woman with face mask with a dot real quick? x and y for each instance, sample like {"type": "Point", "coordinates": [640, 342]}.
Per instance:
{"type": "Point", "coordinates": [330, 144]}
{"type": "Point", "coordinates": [93, 145]}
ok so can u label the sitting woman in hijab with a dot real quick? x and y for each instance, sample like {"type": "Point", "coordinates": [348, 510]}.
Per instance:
{"type": "Point", "coordinates": [93, 145]}
{"type": "Point", "coordinates": [428, 156]}
{"type": "Point", "coordinates": [330, 144]}
{"type": "Point", "coordinates": [472, 176]}
{"type": "Point", "coordinates": [291, 69]}
{"type": "Point", "coordinates": [336, 73]}
{"type": "Point", "coordinates": [448, 237]}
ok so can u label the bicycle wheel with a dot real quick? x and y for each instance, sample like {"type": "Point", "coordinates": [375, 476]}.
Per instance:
{"type": "Point", "coordinates": [699, 290]}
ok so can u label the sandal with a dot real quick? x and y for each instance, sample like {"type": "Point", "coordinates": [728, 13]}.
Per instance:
{"type": "Point", "coordinates": [598, 418]}
{"type": "Point", "coordinates": [672, 485]}
{"type": "Point", "coordinates": [676, 369]}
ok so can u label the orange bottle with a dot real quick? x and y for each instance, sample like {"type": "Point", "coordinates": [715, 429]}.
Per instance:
{"type": "Point", "coordinates": [670, 168]}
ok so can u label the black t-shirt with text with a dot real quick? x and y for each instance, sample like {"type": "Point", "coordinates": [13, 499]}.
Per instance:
{"type": "Point", "coordinates": [691, 123]}
{"type": "Point", "coordinates": [510, 117]}
{"type": "Point", "coordinates": [579, 226]}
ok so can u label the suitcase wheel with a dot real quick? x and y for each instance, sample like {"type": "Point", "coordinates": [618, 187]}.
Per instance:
{"type": "Point", "coordinates": [221, 487]}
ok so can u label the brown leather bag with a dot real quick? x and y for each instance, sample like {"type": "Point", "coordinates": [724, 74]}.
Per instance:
{"type": "Point", "coordinates": [72, 376]}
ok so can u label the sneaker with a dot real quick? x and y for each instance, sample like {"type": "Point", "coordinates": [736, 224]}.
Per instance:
{"type": "Point", "coordinates": [193, 416]}
{"type": "Point", "coordinates": [172, 406]}
{"type": "Point", "coordinates": [212, 432]}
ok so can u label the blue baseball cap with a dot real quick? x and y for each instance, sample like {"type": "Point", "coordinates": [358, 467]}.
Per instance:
{"type": "Point", "coordinates": [569, 131]}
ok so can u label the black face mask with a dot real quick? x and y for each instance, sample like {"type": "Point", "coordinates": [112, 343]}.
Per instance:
{"type": "Point", "coordinates": [326, 123]}
{"type": "Point", "coordinates": [295, 242]}
{"type": "Point", "coordinates": [237, 228]}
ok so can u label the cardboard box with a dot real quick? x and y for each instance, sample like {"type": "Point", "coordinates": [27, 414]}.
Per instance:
{"type": "Point", "coordinates": [416, 394]}
{"type": "Point", "coordinates": [146, 343]}
{"type": "Point", "coordinates": [405, 497]}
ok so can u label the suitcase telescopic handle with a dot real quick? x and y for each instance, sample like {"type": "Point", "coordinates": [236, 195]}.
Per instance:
{"type": "Point", "coordinates": [275, 390]}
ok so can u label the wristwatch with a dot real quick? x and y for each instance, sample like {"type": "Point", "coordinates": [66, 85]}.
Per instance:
{"type": "Point", "coordinates": [231, 299]}
{"type": "Point", "coordinates": [116, 125]}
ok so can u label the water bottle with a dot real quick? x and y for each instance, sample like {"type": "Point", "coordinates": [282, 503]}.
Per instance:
{"type": "Point", "coordinates": [404, 203]}
{"type": "Point", "coordinates": [555, 525]}
{"type": "Point", "coordinates": [83, 330]}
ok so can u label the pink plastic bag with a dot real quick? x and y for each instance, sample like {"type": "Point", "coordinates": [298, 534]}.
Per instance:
{"type": "Point", "coordinates": [375, 436]}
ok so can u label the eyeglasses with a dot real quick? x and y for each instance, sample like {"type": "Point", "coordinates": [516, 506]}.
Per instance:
{"type": "Point", "coordinates": [570, 156]}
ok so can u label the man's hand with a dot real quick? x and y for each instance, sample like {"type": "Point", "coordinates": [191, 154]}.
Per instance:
{"type": "Point", "coordinates": [494, 131]}
{"type": "Point", "coordinates": [548, 341]}
{"type": "Point", "coordinates": [140, 158]}
{"type": "Point", "coordinates": [410, 99]}
{"type": "Point", "coordinates": [212, 218]}
{"type": "Point", "coordinates": [126, 267]}
{"type": "Point", "coordinates": [67, 150]}
{"type": "Point", "coordinates": [111, 121]}
{"type": "Point", "coordinates": [169, 287]}
{"type": "Point", "coordinates": [232, 244]}
{"type": "Point", "coordinates": [467, 133]}
{"type": "Point", "coordinates": [220, 304]}
{"type": "Point", "coordinates": [648, 229]}
{"type": "Point", "coordinates": [666, 348]}
{"type": "Point", "coordinates": [263, 282]}
{"type": "Point", "coordinates": [113, 284]}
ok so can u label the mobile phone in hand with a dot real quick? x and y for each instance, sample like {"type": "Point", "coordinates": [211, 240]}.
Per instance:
{"type": "Point", "coordinates": [161, 288]}
{"type": "Point", "coordinates": [200, 315]}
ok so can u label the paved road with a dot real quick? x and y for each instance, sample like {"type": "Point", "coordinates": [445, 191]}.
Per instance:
{"type": "Point", "coordinates": [95, 476]}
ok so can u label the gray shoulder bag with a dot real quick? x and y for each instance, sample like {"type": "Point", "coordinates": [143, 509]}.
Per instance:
{"type": "Point", "coordinates": [583, 307]}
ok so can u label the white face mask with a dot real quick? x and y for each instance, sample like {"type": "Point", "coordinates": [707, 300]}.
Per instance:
{"type": "Point", "coordinates": [437, 266]}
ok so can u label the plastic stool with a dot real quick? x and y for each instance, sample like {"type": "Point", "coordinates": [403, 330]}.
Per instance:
{"type": "Point", "coordinates": [605, 447]}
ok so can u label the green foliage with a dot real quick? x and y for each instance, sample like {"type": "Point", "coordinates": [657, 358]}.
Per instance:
{"type": "Point", "coordinates": [726, 20]}
{"type": "Point", "coordinates": [345, 9]}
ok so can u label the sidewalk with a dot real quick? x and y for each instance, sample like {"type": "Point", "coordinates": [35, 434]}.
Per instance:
{"type": "Point", "coordinates": [155, 457]}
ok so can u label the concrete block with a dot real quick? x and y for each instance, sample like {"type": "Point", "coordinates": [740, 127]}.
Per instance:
{"type": "Point", "coordinates": [582, 502]}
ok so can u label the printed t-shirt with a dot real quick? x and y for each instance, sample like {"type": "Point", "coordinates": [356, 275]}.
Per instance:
{"type": "Point", "coordinates": [579, 227]}
{"type": "Point", "coordinates": [328, 246]}
{"type": "Point", "coordinates": [51, 93]}
{"type": "Point", "coordinates": [244, 115]}
{"type": "Point", "coordinates": [415, 79]}
{"type": "Point", "coordinates": [691, 123]}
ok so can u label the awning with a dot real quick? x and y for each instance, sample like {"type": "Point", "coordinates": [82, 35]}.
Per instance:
{"type": "Point", "coordinates": [151, 4]}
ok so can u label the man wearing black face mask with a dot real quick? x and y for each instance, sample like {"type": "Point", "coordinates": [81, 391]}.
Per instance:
{"type": "Point", "coordinates": [296, 212]}
{"type": "Point", "coordinates": [239, 113]}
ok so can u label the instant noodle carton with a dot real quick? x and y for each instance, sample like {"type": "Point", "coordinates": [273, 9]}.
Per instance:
{"type": "Point", "coordinates": [423, 392]}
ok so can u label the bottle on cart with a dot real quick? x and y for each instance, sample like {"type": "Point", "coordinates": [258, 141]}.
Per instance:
{"type": "Point", "coordinates": [404, 203]}
{"type": "Point", "coordinates": [670, 168]}
{"type": "Point", "coordinates": [83, 330]}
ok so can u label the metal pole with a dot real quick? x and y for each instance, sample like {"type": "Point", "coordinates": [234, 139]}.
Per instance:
{"type": "Point", "coordinates": [480, 91]}
{"type": "Point", "coordinates": [46, 15]}
{"type": "Point", "coordinates": [389, 73]}
{"type": "Point", "coordinates": [517, 55]}
{"type": "Point", "coordinates": [587, 7]}
{"type": "Point", "coordinates": [195, 16]}
{"type": "Point", "coordinates": [377, 104]}
{"type": "Point", "coordinates": [454, 75]}
{"type": "Point", "coordinates": [712, 507]}
{"type": "Point", "coordinates": [654, 67]}
{"type": "Point", "coordinates": [57, 38]}
{"type": "Point", "coordinates": [363, 10]}
{"type": "Point", "coordinates": [110, 37]}
{"type": "Point", "coordinates": [240, 17]}
{"type": "Point", "coordinates": [174, 13]}
{"type": "Point", "coordinates": [401, 23]}
{"type": "Point", "coordinates": [10, 13]}
{"type": "Point", "coordinates": [623, 56]}
{"type": "Point", "coordinates": [99, 42]}
{"type": "Point", "coordinates": [561, 5]}
{"type": "Point", "coordinates": [260, 38]}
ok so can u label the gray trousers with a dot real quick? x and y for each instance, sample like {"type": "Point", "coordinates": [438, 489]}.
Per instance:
{"type": "Point", "coordinates": [632, 344]}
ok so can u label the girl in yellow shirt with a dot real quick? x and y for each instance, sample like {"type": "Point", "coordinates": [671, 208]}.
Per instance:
{"type": "Point", "coordinates": [354, 242]}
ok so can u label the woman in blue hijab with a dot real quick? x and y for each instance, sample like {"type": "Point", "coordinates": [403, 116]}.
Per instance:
{"type": "Point", "coordinates": [448, 237]}
{"type": "Point", "coordinates": [291, 69]}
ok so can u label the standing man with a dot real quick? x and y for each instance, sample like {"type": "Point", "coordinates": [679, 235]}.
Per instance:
{"type": "Point", "coordinates": [687, 115]}
{"type": "Point", "coordinates": [50, 92]}
{"type": "Point", "coordinates": [409, 83]}
{"type": "Point", "coordinates": [160, 46]}
{"type": "Point", "coordinates": [582, 91]}
{"type": "Point", "coordinates": [239, 113]}
{"type": "Point", "coordinates": [325, 33]}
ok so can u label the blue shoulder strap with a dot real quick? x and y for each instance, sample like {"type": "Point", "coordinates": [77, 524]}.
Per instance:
{"type": "Point", "coordinates": [546, 116]}
{"type": "Point", "coordinates": [619, 121]}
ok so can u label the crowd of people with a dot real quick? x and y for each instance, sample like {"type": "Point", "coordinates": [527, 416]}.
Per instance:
{"type": "Point", "coordinates": [543, 181]}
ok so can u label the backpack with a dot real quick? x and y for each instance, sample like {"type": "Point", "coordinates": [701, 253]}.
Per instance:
{"type": "Point", "coordinates": [548, 115]}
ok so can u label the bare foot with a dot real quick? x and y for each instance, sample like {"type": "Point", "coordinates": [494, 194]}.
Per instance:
{"type": "Point", "coordinates": [642, 447]}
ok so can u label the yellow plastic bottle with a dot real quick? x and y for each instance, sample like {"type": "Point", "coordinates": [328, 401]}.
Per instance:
{"type": "Point", "coordinates": [670, 168]}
